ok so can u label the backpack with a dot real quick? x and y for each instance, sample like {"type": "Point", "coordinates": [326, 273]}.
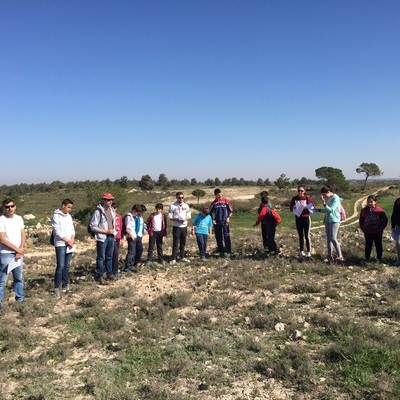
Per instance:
{"type": "Point", "coordinates": [52, 237]}
{"type": "Point", "coordinates": [90, 231]}
{"type": "Point", "coordinates": [124, 225]}
{"type": "Point", "coordinates": [277, 217]}
{"type": "Point", "coordinates": [342, 212]}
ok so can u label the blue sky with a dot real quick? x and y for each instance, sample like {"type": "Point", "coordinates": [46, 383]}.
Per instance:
{"type": "Point", "coordinates": [95, 89]}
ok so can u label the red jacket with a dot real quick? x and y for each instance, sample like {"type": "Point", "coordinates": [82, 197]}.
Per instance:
{"type": "Point", "coordinates": [373, 220]}
{"type": "Point", "coordinates": [149, 224]}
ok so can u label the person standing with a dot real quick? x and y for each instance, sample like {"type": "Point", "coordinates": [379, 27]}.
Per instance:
{"type": "Point", "coordinates": [102, 223]}
{"type": "Point", "coordinates": [268, 226]}
{"type": "Point", "coordinates": [12, 244]}
{"type": "Point", "coordinates": [395, 222]}
{"type": "Point", "coordinates": [373, 222]}
{"type": "Point", "coordinates": [157, 229]}
{"type": "Point", "coordinates": [331, 210]}
{"type": "Point", "coordinates": [64, 240]}
{"type": "Point", "coordinates": [222, 210]}
{"type": "Point", "coordinates": [298, 205]}
{"type": "Point", "coordinates": [179, 213]}
{"type": "Point", "coordinates": [135, 229]}
{"type": "Point", "coordinates": [119, 241]}
{"type": "Point", "coordinates": [202, 227]}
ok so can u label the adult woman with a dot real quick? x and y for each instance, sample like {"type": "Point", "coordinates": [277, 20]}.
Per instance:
{"type": "Point", "coordinates": [298, 205]}
{"type": "Point", "coordinates": [331, 210]}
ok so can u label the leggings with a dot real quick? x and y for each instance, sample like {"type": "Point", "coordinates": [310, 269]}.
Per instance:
{"type": "Point", "coordinates": [303, 225]}
{"type": "Point", "coordinates": [332, 229]}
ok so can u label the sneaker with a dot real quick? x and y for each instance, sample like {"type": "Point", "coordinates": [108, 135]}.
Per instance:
{"type": "Point", "coordinates": [118, 275]}
{"type": "Point", "coordinates": [111, 278]}
{"type": "Point", "coordinates": [148, 263]}
{"type": "Point", "coordinates": [162, 262]}
{"type": "Point", "coordinates": [57, 293]}
{"type": "Point", "coordinates": [172, 262]}
{"type": "Point", "coordinates": [202, 258]}
{"type": "Point", "coordinates": [185, 260]}
{"type": "Point", "coordinates": [302, 254]}
{"type": "Point", "coordinates": [308, 254]}
{"type": "Point", "coordinates": [66, 289]}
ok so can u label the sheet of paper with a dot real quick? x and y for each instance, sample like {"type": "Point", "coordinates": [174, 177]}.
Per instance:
{"type": "Point", "coordinates": [298, 209]}
{"type": "Point", "coordinates": [312, 208]}
{"type": "Point", "coordinates": [14, 263]}
{"type": "Point", "coordinates": [71, 249]}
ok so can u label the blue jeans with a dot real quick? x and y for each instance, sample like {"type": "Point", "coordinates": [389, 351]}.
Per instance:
{"type": "Point", "coordinates": [18, 284]}
{"type": "Point", "coordinates": [61, 277]}
{"type": "Point", "coordinates": [104, 256]}
{"type": "Point", "coordinates": [202, 244]}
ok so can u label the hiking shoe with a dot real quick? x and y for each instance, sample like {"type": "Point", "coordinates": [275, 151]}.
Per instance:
{"type": "Point", "coordinates": [172, 262]}
{"type": "Point", "coordinates": [185, 260]}
{"type": "Point", "coordinates": [111, 278]}
{"type": "Point", "coordinates": [101, 281]}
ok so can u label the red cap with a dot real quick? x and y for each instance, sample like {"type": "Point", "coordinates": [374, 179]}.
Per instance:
{"type": "Point", "coordinates": [107, 196]}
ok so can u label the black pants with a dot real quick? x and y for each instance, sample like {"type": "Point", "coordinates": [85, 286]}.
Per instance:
{"type": "Point", "coordinates": [135, 250]}
{"type": "Point", "coordinates": [370, 239]}
{"type": "Point", "coordinates": [155, 238]}
{"type": "Point", "coordinates": [303, 229]}
{"type": "Point", "coordinates": [179, 239]}
{"type": "Point", "coordinates": [268, 235]}
{"type": "Point", "coordinates": [222, 234]}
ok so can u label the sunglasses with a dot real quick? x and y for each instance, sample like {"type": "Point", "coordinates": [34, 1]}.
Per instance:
{"type": "Point", "coordinates": [180, 197]}
{"type": "Point", "coordinates": [8, 207]}
{"type": "Point", "coordinates": [301, 191]}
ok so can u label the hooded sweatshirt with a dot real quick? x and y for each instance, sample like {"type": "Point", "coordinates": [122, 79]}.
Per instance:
{"type": "Point", "coordinates": [63, 227]}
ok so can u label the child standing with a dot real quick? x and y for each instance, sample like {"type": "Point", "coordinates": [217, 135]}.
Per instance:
{"type": "Point", "coordinates": [132, 229]}
{"type": "Point", "coordinates": [373, 221]}
{"type": "Point", "coordinates": [268, 226]}
{"type": "Point", "coordinates": [157, 229]}
{"type": "Point", "coordinates": [202, 227]}
{"type": "Point", "coordinates": [298, 205]}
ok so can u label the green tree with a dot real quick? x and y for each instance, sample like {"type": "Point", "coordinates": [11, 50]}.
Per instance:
{"type": "Point", "coordinates": [333, 177]}
{"type": "Point", "coordinates": [282, 182]}
{"type": "Point", "coordinates": [369, 169]}
{"type": "Point", "coordinates": [162, 181]}
{"type": "Point", "coordinates": [198, 193]}
{"type": "Point", "coordinates": [146, 183]}
{"type": "Point", "coordinates": [95, 190]}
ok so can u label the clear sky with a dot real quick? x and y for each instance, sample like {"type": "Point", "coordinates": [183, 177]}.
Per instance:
{"type": "Point", "coordinates": [96, 89]}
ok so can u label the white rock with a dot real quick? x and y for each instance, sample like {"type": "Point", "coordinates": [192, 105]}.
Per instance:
{"type": "Point", "coordinates": [28, 217]}
{"type": "Point", "coordinates": [280, 327]}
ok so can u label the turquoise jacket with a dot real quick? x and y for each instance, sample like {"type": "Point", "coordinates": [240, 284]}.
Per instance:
{"type": "Point", "coordinates": [332, 209]}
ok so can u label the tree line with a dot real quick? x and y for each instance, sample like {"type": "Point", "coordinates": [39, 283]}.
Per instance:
{"type": "Point", "coordinates": [325, 175]}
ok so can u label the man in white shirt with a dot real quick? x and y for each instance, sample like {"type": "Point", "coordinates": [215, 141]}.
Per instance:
{"type": "Point", "coordinates": [179, 213]}
{"type": "Point", "coordinates": [12, 244]}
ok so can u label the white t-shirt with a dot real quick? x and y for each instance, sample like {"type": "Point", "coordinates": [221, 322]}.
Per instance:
{"type": "Point", "coordinates": [12, 227]}
{"type": "Point", "coordinates": [157, 222]}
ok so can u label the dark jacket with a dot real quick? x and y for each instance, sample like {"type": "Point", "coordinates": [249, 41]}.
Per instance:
{"type": "Point", "coordinates": [373, 220]}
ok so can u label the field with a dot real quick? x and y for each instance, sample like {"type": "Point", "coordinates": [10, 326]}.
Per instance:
{"type": "Point", "coordinates": [246, 327]}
